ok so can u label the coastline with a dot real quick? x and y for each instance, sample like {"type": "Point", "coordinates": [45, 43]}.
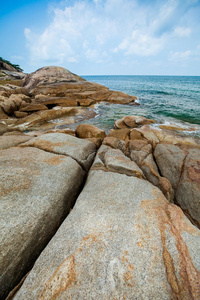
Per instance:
{"type": "Point", "coordinates": [83, 210]}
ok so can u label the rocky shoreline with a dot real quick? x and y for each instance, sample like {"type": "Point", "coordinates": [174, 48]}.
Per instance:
{"type": "Point", "coordinates": [92, 215]}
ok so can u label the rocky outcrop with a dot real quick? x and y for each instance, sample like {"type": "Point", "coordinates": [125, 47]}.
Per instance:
{"type": "Point", "coordinates": [161, 156]}
{"type": "Point", "coordinates": [182, 168]}
{"type": "Point", "coordinates": [9, 71]}
{"type": "Point", "coordinates": [64, 86]}
{"type": "Point", "coordinates": [132, 122]}
{"type": "Point", "coordinates": [37, 189]}
{"type": "Point", "coordinates": [188, 190]}
{"type": "Point", "coordinates": [49, 75]}
{"type": "Point", "coordinates": [54, 88]}
{"type": "Point", "coordinates": [123, 239]}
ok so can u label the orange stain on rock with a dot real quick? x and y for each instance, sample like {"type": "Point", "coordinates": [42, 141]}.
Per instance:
{"type": "Point", "coordinates": [56, 160]}
{"type": "Point", "coordinates": [194, 172]}
{"type": "Point", "coordinates": [140, 244]}
{"type": "Point", "coordinates": [171, 218]}
{"type": "Point", "coordinates": [63, 278]}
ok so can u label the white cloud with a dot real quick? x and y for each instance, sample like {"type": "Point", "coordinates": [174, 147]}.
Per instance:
{"type": "Point", "coordinates": [140, 44]}
{"type": "Point", "coordinates": [182, 31]}
{"type": "Point", "coordinates": [27, 33]}
{"type": "Point", "coordinates": [180, 56]}
{"type": "Point", "coordinates": [109, 30]}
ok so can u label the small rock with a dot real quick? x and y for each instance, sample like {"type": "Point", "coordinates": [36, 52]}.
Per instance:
{"type": "Point", "coordinates": [20, 114]}
{"type": "Point", "coordinates": [122, 134]}
{"type": "Point", "coordinates": [89, 131]}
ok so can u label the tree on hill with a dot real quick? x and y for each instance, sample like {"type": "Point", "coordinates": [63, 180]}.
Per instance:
{"type": "Point", "coordinates": [17, 67]}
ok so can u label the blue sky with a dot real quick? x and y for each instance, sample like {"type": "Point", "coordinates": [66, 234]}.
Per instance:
{"type": "Point", "coordinates": [103, 37]}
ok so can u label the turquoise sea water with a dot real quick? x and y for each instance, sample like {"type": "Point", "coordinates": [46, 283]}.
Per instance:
{"type": "Point", "coordinates": [174, 99]}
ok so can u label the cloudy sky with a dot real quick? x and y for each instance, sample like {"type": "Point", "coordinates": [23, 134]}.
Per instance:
{"type": "Point", "coordinates": [103, 37]}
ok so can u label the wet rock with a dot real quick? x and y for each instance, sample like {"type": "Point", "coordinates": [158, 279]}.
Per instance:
{"type": "Point", "coordinates": [119, 124]}
{"type": "Point", "coordinates": [136, 121]}
{"type": "Point", "coordinates": [121, 98]}
{"type": "Point", "coordinates": [132, 122]}
{"type": "Point", "coordinates": [175, 127]}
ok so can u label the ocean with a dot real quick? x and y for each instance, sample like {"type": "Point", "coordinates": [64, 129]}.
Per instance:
{"type": "Point", "coordinates": [166, 99]}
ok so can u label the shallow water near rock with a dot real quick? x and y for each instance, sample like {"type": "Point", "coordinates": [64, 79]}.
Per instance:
{"type": "Point", "coordinates": [166, 99]}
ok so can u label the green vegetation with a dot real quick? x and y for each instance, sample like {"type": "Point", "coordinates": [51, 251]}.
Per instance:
{"type": "Point", "coordinates": [17, 67]}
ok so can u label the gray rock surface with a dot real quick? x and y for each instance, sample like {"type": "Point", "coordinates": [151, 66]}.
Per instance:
{"type": "Point", "coordinates": [12, 140]}
{"type": "Point", "coordinates": [188, 191]}
{"type": "Point", "coordinates": [83, 151]}
{"type": "Point", "coordinates": [122, 240]}
{"type": "Point", "coordinates": [49, 75]}
{"type": "Point", "coordinates": [113, 160]}
{"type": "Point", "coordinates": [170, 159]}
{"type": "Point", "coordinates": [37, 190]}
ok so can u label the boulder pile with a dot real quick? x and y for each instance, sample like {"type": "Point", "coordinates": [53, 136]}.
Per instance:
{"type": "Point", "coordinates": [90, 215]}
{"type": "Point", "coordinates": [50, 93]}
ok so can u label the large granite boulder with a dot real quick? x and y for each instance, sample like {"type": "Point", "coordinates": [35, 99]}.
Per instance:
{"type": "Point", "coordinates": [122, 240]}
{"type": "Point", "coordinates": [170, 159]}
{"type": "Point", "coordinates": [57, 82]}
{"type": "Point", "coordinates": [182, 168]}
{"type": "Point", "coordinates": [188, 190]}
{"type": "Point", "coordinates": [37, 190]}
{"type": "Point", "coordinates": [82, 151]}
{"type": "Point", "coordinates": [48, 75]}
